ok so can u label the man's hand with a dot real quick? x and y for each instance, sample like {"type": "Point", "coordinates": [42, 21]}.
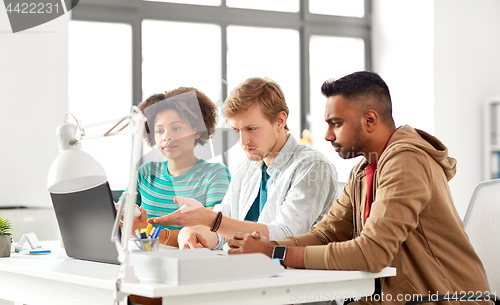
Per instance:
{"type": "Point", "coordinates": [190, 239]}
{"type": "Point", "coordinates": [189, 214]}
{"type": "Point", "coordinates": [250, 243]}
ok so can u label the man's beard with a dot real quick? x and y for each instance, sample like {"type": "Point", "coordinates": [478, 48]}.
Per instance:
{"type": "Point", "coordinates": [357, 147]}
{"type": "Point", "coordinates": [353, 152]}
{"type": "Point", "coordinates": [267, 151]}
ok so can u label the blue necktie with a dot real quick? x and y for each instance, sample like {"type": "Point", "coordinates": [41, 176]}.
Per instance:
{"type": "Point", "coordinates": [263, 187]}
{"type": "Point", "coordinates": [259, 202]}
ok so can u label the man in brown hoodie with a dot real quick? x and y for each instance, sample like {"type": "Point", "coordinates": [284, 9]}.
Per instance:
{"type": "Point", "coordinates": [395, 210]}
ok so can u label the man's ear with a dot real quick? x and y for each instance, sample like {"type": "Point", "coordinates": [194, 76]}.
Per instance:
{"type": "Point", "coordinates": [281, 120]}
{"type": "Point", "coordinates": [370, 120]}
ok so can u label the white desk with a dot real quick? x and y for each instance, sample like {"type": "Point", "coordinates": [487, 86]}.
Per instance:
{"type": "Point", "coordinates": [57, 279]}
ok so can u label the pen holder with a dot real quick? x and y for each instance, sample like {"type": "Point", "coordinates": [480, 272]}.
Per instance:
{"type": "Point", "coordinates": [146, 244]}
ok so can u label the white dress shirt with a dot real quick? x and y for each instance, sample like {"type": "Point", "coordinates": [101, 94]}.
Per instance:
{"type": "Point", "coordinates": [301, 188]}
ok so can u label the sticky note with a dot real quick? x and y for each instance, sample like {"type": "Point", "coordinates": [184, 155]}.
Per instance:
{"type": "Point", "coordinates": [35, 251]}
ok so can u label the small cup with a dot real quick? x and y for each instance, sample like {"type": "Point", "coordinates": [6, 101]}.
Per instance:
{"type": "Point", "coordinates": [146, 244]}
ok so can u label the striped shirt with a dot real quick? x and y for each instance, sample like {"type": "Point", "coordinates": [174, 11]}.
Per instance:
{"type": "Point", "coordinates": [205, 182]}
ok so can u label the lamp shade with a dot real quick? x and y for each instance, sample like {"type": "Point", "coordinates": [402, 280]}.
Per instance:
{"type": "Point", "coordinates": [74, 170]}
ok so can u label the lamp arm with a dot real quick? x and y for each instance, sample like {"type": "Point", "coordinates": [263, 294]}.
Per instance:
{"type": "Point", "coordinates": [118, 129]}
{"type": "Point", "coordinates": [137, 128]}
{"type": "Point", "coordinates": [126, 273]}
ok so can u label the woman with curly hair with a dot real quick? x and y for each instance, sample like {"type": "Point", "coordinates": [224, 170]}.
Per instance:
{"type": "Point", "coordinates": [177, 121]}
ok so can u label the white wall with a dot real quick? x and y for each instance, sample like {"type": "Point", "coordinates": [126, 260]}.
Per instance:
{"type": "Point", "coordinates": [33, 100]}
{"type": "Point", "coordinates": [402, 43]}
{"type": "Point", "coordinates": [450, 56]}
{"type": "Point", "coordinates": [467, 70]}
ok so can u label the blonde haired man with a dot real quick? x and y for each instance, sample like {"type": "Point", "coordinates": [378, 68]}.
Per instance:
{"type": "Point", "coordinates": [277, 190]}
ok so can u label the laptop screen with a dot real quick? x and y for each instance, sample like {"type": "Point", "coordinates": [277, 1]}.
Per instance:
{"type": "Point", "coordinates": [86, 220]}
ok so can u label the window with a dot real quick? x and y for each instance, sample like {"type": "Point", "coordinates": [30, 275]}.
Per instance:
{"type": "Point", "coordinates": [181, 54]}
{"type": "Point", "coordinates": [264, 52]}
{"type": "Point", "coordinates": [214, 45]}
{"type": "Point", "coordinates": [348, 8]}
{"type": "Point", "coordinates": [331, 57]}
{"type": "Point", "coordinates": [100, 89]}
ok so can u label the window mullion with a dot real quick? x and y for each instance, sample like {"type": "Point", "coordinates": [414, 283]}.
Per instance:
{"type": "Point", "coordinates": [137, 60]}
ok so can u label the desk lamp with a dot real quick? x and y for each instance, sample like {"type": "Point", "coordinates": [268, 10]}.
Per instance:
{"type": "Point", "coordinates": [74, 170]}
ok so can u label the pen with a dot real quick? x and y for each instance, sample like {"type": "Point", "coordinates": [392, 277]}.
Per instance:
{"type": "Point", "coordinates": [152, 233]}
{"type": "Point", "coordinates": [158, 230]}
{"type": "Point", "coordinates": [146, 244]}
{"type": "Point", "coordinates": [148, 229]}
{"type": "Point", "coordinates": [138, 241]}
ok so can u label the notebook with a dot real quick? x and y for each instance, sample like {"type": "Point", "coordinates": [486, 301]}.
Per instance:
{"type": "Point", "coordinates": [86, 220]}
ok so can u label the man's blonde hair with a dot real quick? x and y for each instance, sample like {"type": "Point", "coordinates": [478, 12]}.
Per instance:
{"type": "Point", "coordinates": [253, 91]}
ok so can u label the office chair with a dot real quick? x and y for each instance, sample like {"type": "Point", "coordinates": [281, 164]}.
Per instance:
{"type": "Point", "coordinates": [480, 222]}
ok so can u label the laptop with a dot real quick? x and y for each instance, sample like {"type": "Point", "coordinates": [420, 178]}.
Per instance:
{"type": "Point", "coordinates": [86, 220]}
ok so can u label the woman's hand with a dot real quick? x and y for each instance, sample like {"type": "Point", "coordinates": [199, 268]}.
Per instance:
{"type": "Point", "coordinates": [191, 213]}
{"type": "Point", "coordinates": [140, 222]}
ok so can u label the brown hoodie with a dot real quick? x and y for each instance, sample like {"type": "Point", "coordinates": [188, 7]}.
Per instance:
{"type": "Point", "coordinates": [413, 224]}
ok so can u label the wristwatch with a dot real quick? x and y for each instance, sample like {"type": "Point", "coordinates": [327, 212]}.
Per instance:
{"type": "Point", "coordinates": [279, 253]}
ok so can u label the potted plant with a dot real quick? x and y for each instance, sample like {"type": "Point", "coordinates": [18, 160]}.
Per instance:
{"type": "Point", "coordinates": [5, 242]}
